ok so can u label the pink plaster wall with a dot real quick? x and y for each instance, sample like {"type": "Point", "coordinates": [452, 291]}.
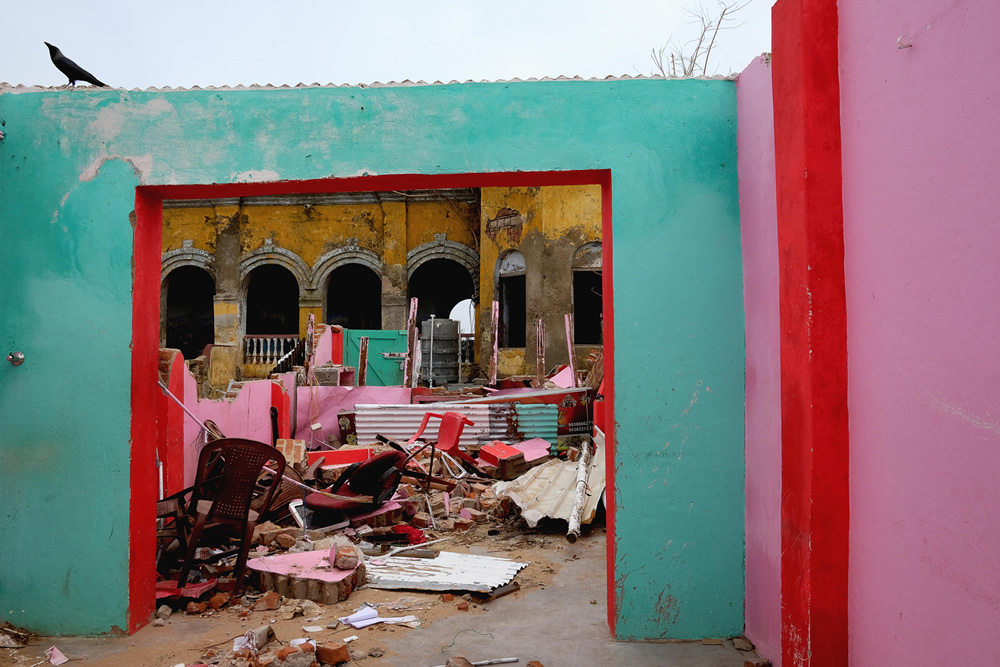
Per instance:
{"type": "Point", "coordinates": [758, 224]}
{"type": "Point", "coordinates": [921, 208]}
{"type": "Point", "coordinates": [246, 416]}
{"type": "Point", "coordinates": [323, 351]}
{"type": "Point", "coordinates": [323, 405]}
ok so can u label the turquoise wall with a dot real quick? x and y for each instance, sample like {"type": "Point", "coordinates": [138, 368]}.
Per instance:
{"type": "Point", "coordinates": [68, 169]}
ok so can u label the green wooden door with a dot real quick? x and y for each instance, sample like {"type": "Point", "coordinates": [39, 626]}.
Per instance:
{"type": "Point", "coordinates": [382, 371]}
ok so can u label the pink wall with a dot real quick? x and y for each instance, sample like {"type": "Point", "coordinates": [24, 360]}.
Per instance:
{"type": "Point", "coordinates": [323, 404]}
{"type": "Point", "coordinates": [758, 222]}
{"type": "Point", "coordinates": [323, 351]}
{"type": "Point", "coordinates": [921, 209]}
{"type": "Point", "coordinates": [246, 416]}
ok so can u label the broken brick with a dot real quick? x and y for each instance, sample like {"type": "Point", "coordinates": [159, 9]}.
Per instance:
{"type": "Point", "coordinates": [270, 602]}
{"type": "Point", "coordinates": [196, 607]}
{"type": "Point", "coordinates": [463, 606]}
{"type": "Point", "coordinates": [218, 601]}
{"type": "Point", "coordinates": [420, 520]}
{"type": "Point", "coordinates": [333, 654]}
{"type": "Point", "coordinates": [458, 661]}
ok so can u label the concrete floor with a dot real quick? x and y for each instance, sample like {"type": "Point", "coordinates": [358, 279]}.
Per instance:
{"type": "Point", "coordinates": [556, 625]}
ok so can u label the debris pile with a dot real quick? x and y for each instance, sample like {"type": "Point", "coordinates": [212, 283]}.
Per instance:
{"type": "Point", "coordinates": [397, 514]}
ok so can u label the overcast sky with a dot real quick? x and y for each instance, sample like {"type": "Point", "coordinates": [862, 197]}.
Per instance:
{"type": "Point", "coordinates": [134, 44]}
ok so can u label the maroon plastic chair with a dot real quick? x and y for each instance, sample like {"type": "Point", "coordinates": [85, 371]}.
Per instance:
{"type": "Point", "coordinates": [377, 478]}
{"type": "Point", "coordinates": [449, 432]}
{"type": "Point", "coordinates": [221, 498]}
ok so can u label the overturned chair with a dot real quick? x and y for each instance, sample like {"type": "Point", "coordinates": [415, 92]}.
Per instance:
{"type": "Point", "coordinates": [224, 488]}
{"type": "Point", "coordinates": [361, 487]}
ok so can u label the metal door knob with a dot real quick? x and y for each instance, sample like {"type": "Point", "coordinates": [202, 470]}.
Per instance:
{"type": "Point", "coordinates": [16, 358]}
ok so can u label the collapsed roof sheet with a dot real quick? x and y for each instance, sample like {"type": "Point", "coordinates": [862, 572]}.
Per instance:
{"type": "Point", "coordinates": [550, 489]}
{"type": "Point", "coordinates": [450, 571]}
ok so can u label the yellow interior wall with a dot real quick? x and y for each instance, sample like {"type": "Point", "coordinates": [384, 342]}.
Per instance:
{"type": "Point", "coordinates": [311, 232]}
{"type": "Point", "coordinates": [195, 224]}
{"type": "Point", "coordinates": [572, 209]}
{"type": "Point", "coordinates": [425, 219]}
{"type": "Point", "coordinates": [555, 212]}
{"type": "Point", "coordinates": [392, 229]}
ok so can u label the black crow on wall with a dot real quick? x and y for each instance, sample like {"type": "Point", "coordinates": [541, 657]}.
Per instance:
{"type": "Point", "coordinates": [73, 71]}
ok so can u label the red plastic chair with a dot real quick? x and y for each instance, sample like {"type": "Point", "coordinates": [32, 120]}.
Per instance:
{"type": "Point", "coordinates": [449, 432]}
{"type": "Point", "coordinates": [224, 499]}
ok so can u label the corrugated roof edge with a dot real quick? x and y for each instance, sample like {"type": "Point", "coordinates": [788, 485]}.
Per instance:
{"type": "Point", "coordinates": [21, 88]}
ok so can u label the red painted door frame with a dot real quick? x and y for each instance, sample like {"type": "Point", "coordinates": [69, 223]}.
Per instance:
{"type": "Point", "coordinates": [148, 233]}
{"type": "Point", "coordinates": [815, 491]}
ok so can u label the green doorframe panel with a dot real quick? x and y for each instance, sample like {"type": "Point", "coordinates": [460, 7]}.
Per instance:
{"type": "Point", "coordinates": [69, 166]}
{"type": "Point", "coordinates": [382, 372]}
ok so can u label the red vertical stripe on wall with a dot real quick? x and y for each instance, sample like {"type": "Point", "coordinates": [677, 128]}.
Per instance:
{"type": "Point", "coordinates": [814, 431]}
{"type": "Point", "coordinates": [608, 308]}
{"type": "Point", "coordinates": [145, 358]}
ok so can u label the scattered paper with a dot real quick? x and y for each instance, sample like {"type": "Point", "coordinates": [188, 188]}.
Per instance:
{"type": "Point", "coordinates": [369, 616]}
{"type": "Point", "coordinates": [55, 656]}
{"type": "Point", "coordinates": [350, 639]}
{"type": "Point", "coordinates": [358, 619]}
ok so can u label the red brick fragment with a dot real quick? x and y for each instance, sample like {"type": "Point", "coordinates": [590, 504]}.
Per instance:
{"type": "Point", "coordinates": [333, 654]}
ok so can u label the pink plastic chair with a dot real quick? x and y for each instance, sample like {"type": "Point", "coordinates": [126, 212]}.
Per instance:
{"type": "Point", "coordinates": [450, 430]}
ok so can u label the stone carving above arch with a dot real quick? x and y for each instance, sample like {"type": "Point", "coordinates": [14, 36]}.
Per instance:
{"type": "Point", "coordinates": [187, 255]}
{"type": "Point", "coordinates": [272, 254]}
{"type": "Point", "coordinates": [588, 257]}
{"type": "Point", "coordinates": [442, 248]}
{"type": "Point", "coordinates": [338, 257]}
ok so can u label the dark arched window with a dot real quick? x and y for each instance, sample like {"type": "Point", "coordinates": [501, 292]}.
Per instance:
{"type": "Point", "coordinates": [588, 306]}
{"type": "Point", "coordinates": [511, 294]}
{"type": "Point", "coordinates": [438, 285]}
{"type": "Point", "coordinates": [354, 297]}
{"type": "Point", "coordinates": [272, 301]}
{"type": "Point", "coordinates": [190, 312]}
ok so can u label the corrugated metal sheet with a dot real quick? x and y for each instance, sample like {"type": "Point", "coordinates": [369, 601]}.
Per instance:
{"type": "Point", "coordinates": [450, 571]}
{"type": "Point", "coordinates": [506, 422]}
{"type": "Point", "coordinates": [550, 489]}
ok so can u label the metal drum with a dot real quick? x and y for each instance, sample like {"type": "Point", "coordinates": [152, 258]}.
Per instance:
{"type": "Point", "coordinates": [439, 351]}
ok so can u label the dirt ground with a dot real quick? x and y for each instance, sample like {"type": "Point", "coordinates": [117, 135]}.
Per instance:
{"type": "Point", "coordinates": [187, 639]}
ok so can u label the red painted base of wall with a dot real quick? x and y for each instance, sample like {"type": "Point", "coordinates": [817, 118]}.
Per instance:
{"type": "Point", "coordinates": [146, 333]}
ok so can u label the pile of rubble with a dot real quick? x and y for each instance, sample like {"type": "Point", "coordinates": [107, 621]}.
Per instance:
{"type": "Point", "coordinates": [304, 559]}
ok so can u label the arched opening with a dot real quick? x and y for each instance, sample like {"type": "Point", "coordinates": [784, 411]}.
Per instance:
{"type": "Point", "coordinates": [588, 305]}
{"type": "Point", "coordinates": [511, 295]}
{"type": "Point", "coordinates": [464, 312]}
{"type": "Point", "coordinates": [438, 285]}
{"type": "Point", "coordinates": [272, 301]}
{"type": "Point", "coordinates": [354, 297]}
{"type": "Point", "coordinates": [189, 316]}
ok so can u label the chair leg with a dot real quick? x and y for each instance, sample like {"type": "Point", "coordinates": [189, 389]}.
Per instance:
{"type": "Point", "coordinates": [239, 571]}
{"type": "Point", "coordinates": [199, 526]}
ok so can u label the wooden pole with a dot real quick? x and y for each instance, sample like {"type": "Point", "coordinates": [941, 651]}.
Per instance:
{"type": "Point", "coordinates": [582, 473]}
{"type": "Point", "coordinates": [494, 330]}
{"type": "Point", "coordinates": [411, 345]}
{"type": "Point", "coordinates": [571, 347]}
{"type": "Point", "coordinates": [363, 361]}
{"type": "Point", "coordinates": [539, 352]}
